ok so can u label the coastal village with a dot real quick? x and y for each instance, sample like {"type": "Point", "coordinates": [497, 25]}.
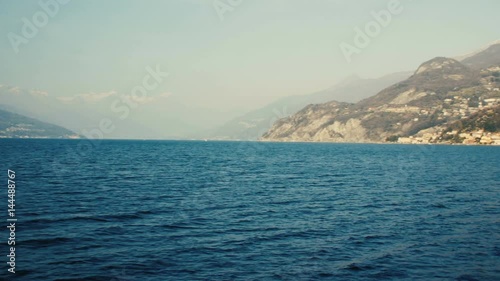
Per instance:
{"type": "Point", "coordinates": [460, 108]}
{"type": "Point", "coordinates": [472, 138]}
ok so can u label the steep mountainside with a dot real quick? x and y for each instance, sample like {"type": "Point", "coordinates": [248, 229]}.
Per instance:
{"type": "Point", "coordinates": [484, 59]}
{"type": "Point", "coordinates": [419, 109]}
{"type": "Point", "coordinates": [430, 83]}
{"type": "Point", "coordinates": [253, 124]}
{"type": "Point", "coordinates": [18, 126]}
{"type": "Point", "coordinates": [487, 120]}
{"type": "Point", "coordinates": [482, 127]}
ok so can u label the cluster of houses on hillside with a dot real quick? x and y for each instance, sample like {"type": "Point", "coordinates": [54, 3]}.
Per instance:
{"type": "Point", "coordinates": [490, 78]}
{"type": "Point", "coordinates": [457, 107]}
{"type": "Point", "coordinates": [28, 131]}
{"type": "Point", "coordinates": [461, 107]}
{"type": "Point", "coordinates": [480, 137]}
{"type": "Point", "coordinates": [472, 138]}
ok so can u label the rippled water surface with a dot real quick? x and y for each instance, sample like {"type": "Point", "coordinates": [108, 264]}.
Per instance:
{"type": "Point", "coordinates": [167, 210]}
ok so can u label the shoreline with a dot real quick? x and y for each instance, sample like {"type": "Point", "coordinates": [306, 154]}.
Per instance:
{"type": "Point", "coordinates": [382, 143]}
{"type": "Point", "coordinates": [257, 141]}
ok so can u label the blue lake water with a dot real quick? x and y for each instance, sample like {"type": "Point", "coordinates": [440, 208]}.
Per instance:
{"type": "Point", "coordinates": [174, 210]}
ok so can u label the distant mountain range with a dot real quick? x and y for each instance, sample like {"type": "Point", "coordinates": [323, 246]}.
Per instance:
{"type": "Point", "coordinates": [435, 80]}
{"type": "Point", "coordinates": [252, 125]}
{"type": "Point", "coordinates": [428, 107]}
{"type": "Point", "coordinates": [84, 112]}
{"type": "Point", "coordinates": [13, 125]}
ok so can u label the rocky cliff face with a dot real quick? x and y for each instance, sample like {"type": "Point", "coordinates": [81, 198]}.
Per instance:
{"type": "Point", "coordinates": [441, 92]}
{"type": "Point", "coordinates": [253, 124]}
{"type": "Point", "coordinates": [323, 122]}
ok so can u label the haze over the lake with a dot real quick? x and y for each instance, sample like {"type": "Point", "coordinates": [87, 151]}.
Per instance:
{"type": "Point", "coordinates": [222, 59]}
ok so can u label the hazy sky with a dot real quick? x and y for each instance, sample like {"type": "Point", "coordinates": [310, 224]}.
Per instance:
{"type": "Point", "coordinates": [261, 50]}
